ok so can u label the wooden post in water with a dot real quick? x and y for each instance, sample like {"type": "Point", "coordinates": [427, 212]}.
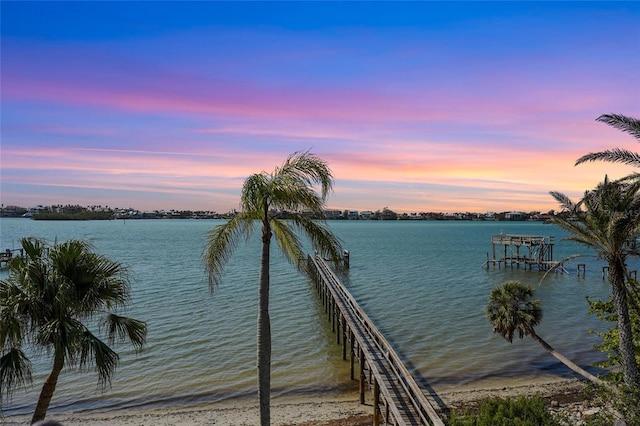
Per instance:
{"type": "Point", "coordinates": [376, 403]}
{"type": "Point", "coordinates": [353, 355]}
{"type": "Point", "coordinates": [325, 299]}
{"type": "Point", "coordinates": [493, 250]}
{"type": "Point", "coordinates": [505, 255]}
{"type": "Point", "coordinates": [582, 267]}
{"type": "Point", "coordinates": [344, 338]}
{"type": "Point", "coordinates": [332, 315]}
{"type": "Point", "coordinates": [362, 376]}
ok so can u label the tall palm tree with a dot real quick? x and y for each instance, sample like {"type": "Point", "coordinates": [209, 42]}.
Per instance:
{"type": "Point", "coordinates": [51, 299]}
{"type": "Point", "coordinates": [617, 155]}
{"type": "Point", "coordinates": [606, 219]}
{"type": "Point", "coordinates": [511, 309]}
{"type": "Point", "coordinates": [276, 200]}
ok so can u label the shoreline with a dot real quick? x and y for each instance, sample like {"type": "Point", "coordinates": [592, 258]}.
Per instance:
{"type": "Point", "coordinates": [315, 409]}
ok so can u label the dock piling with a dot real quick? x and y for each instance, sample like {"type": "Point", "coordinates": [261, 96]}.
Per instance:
{"type": "Point", "coordinates": [581, 268]}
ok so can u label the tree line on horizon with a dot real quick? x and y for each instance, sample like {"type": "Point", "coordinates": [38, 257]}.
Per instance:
{"type": "Point", "coordinates": [77, 212]}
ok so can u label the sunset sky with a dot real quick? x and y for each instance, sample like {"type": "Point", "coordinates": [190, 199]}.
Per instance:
{"type": "Point", "coordinates": [418, 106]}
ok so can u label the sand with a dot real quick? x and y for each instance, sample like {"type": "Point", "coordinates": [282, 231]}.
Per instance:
{"type": "Point", "coordinates": [308, 410]}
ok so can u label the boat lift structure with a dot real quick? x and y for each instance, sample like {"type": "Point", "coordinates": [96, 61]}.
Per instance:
{"type": "Point", "coordinates": [528, 250]}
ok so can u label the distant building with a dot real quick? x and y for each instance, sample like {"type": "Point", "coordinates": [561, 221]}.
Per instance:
{"type": "Point", "coordinates": [513, 216]}
{"type": "Point", "coordinates": [353, 215]}
{"type": "Point", "coordinates": [12, 211]}
{"type": "Point", "coordinates": [332, 214]}
{"type": "Point", "coordinates": [544, 217]}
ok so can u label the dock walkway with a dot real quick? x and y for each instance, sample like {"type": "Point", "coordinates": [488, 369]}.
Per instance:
{"type": "Point", "coordinates": [397, 398]}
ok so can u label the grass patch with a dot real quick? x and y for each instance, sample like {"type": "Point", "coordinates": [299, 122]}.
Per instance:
{"type": "Point", "coordinates": [523, 411]}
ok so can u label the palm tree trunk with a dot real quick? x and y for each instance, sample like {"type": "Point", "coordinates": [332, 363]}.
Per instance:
{"type": "Point", "coordinates": [49, 387]}
{"type": "Point", "coordinates": [626, 348]}
{"type": "Point", "coordinates": [264, 331]}
{"type": "Point", "coordinates": [566, 361]}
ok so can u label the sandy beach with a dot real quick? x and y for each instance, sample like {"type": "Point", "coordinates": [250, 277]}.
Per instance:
{"type": "Point", "coordinates": [309, 410]}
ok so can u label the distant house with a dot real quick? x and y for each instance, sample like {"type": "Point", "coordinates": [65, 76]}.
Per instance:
{"type": "Point", "coordinates": [12, 211]}
{"type": "Point", "coordinates": [544, 217]}
{"type": "Point", "coordinates": [332, 214]}
{"type": "Point", "coordinates": [366, 214]}
{"type": "Point", "coordinates": [513, 216]}
{"type": "Point", "coordinates": [36, 210]}
{"type": "Point", "coordinates": [352, 215]}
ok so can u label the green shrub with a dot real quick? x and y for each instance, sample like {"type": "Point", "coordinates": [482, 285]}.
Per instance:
{"type": "Point", "coordinates": [524, 411]}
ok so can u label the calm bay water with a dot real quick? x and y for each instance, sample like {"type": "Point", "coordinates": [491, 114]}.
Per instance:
{"type": "Point", "coordinates": [421, 282]}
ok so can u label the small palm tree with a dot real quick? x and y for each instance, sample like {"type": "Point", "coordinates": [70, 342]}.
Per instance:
{"type": "Point", "coordinates": [276, 200]}
{"type": "Point", "coordinates": [617, 155]}
{"type": "Point", "coordinates": [606, 219]}
{"type": "Point", "coordinates": [51, 298]}
{"type": "Point", "coordinates": [511, 309]}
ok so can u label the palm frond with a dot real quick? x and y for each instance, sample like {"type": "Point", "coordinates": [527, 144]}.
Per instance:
{"type": "Point", "coordinates": [100, 282]}
{"type": "Point", "coordinates": [322, 239]}
{"type": "Point", "coordinates": [12, 322]}
{"type": "Point", "coordinates": [98, 354]}
{"type": "Point", "coordinates": [559, 266]}
{"type": "Point", "coordinates": [61, 333]}
{"type": "Point", "coordinates": [581, 234]}
{"type": "Point", "coordinates": [256, 194]}
{"type": "Point", "coordinates": [564, 200]}
{"type": "Point", "coordinates": [15, 371]}
{"type": "Point", "coordinates": [221, 242]}
{"type": "Point", "coordinates": [615, 155]}
{"type": "Point", "coordinates": [309, 170]}
{"type": "Point", "coordinates": [288, 242]}
{"type": "Point", "coordinates": [297, 198]}
{"type": "Point", "coordinates": [622, 122]}
{"type": "Point", "coordinates": [632, 179]}
{"type": "Point", "coordinates": [121, 329]}
{"type": "Point", "coordinates": [33, 247]}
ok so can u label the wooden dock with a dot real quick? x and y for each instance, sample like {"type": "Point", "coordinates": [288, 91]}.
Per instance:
{"type": "Point", "coordinates": [7, 255]}
{"type": "Point", "coordinates": [397, 398]}
{"type": "Point", "coordinates": [527, 250]}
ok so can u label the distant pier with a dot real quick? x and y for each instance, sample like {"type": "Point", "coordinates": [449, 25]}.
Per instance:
{"type": "Point", "coordinates": [7, 255]}
{"type": "Point", "coordinates": [530, 251]}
